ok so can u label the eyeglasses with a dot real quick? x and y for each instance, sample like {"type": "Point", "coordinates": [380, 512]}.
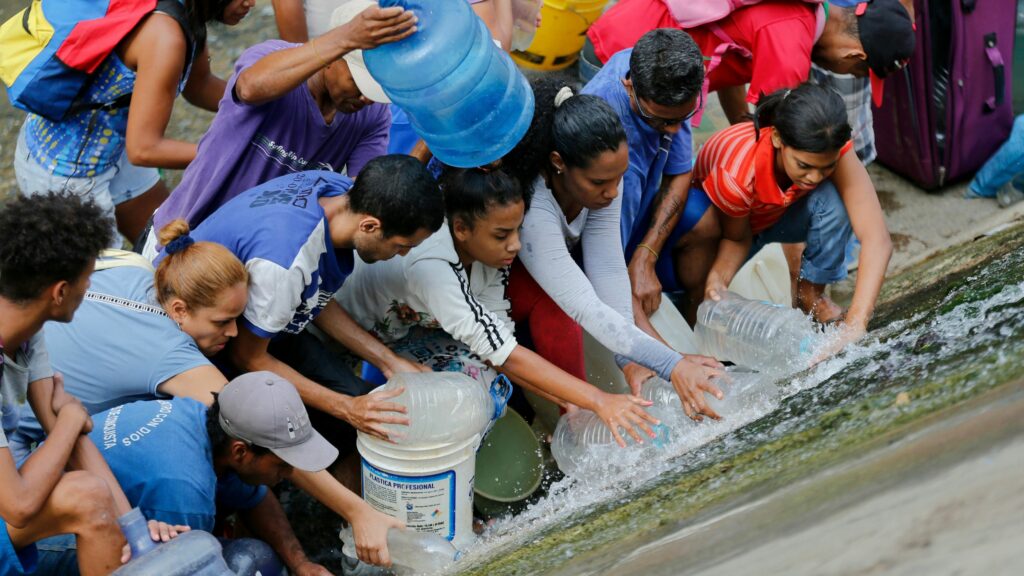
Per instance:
{"type": "Point", "coordinates": [658, 121]}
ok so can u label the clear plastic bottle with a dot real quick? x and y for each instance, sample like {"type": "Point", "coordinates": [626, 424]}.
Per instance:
{"type": "Point", "coordinates": [745, 394]}
{"type": "Point", "coordinates": [411, 552]}
{"type": "Point", "coordinates": [581, 441]}
{"type": "Point", "coordinates": [743, 391]}
{"type": "Point", "coordinates": [194, 553]}
{"type": "Point", "coordinates": [464, 96]}
{"type": "Point", "coordinates": [524, 22]}
{"type": "Point", "coordinates": [766, 337]}
{"type": "Point", "coordinates": [442, 407]}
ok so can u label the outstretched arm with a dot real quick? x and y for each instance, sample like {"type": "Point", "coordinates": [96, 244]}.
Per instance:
{"type": "Point", "coordinates": [369, 526]}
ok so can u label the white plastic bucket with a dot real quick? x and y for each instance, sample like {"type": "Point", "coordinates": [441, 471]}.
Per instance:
{"type": "Point", "coordinates": [429, 488]}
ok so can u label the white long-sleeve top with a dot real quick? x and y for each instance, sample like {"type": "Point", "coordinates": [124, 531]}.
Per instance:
{"type": "Point", "coordinates": [430, 287]}
{"type": "Point", "coordinates": [600, 300]}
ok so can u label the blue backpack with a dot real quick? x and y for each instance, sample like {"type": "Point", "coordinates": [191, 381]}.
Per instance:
{"type": "Point", "coordinates": [50, 50]}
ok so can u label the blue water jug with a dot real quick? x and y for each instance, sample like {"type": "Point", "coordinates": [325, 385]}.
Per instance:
{"type": "Point", "coordinates": [194, 553]}
{"type": "Point", "coordinates": [464, 96]}
{"type": "Point", "coordinates": [252, 557]}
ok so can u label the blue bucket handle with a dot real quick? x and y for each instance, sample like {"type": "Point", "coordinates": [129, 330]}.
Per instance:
{"type": "Point", "coordinates": [501, 391]}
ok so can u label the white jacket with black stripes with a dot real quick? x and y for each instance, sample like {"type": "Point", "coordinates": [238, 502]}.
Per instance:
{"type": "Point", "coordinates": [430, 287]}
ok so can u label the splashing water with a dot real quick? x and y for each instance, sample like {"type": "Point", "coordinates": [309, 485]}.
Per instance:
{"type": "Point", "coordinates": [953, 346]}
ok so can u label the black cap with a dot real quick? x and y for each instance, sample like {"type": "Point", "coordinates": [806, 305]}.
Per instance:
{"type": "Point", "coordinates": [886, 33]}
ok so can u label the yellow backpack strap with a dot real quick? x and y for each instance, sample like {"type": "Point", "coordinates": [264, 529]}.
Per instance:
{"type": "Point", "coordinates": [111, 258]}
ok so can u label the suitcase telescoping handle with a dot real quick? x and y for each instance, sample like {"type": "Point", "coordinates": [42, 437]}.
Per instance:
{"type": "Point", "coordinates": [995, 59]}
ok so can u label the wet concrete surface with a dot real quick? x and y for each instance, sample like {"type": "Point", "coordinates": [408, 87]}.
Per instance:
{"type": "Point", "coordinates": [947, 498]}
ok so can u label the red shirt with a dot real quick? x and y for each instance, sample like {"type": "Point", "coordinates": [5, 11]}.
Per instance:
{"type": "Point", "coordinates": [778, 33]}
{"type": "Point", "coordinates": [738, 175]}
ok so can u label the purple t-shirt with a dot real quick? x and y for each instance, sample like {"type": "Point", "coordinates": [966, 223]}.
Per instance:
{"type": "Point", "coordinates": [248, 145]}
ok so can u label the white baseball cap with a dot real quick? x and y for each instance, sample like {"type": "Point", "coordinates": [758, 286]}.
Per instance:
{"type": "Point", "coordinates": [364, 81]}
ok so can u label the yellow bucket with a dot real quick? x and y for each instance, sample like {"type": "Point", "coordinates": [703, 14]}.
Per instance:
{"type": "Point", "coordinates": [561, 35]}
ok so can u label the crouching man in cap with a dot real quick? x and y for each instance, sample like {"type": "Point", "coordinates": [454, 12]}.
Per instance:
{"type": "Point", "coordinates": [184, 463]}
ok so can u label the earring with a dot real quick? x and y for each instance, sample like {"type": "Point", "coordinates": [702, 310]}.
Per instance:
{"type": "Point", "coordinates": [557, 171]}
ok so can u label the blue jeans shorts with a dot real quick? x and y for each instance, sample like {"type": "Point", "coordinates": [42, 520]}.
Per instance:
{"type": "Point", "coordinates": [819, 219]}
{"type": "Point", "coordinates": [117, 185]}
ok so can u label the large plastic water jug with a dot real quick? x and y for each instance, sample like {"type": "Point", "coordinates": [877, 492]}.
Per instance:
{"type": "Point", "coordinates": [194, 553]}
{"type": "Point", "coordinates": [411, 552]}
{"type": "Point", "coordinates": [582, 443]}
{"type": "Point", "coordinates": [766, 337]}
{"type": "Point", "coordinates": [425, 476]}
{"type": "Point", "coordinates": [443, 407]}
{"type": "Point", "coordinates": [464, 96]}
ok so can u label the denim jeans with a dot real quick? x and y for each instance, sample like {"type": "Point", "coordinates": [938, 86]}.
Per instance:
{"type": "Point", "coordinates": [1006, 163]}
{"type": "Point", "coordinates": [820, 220]}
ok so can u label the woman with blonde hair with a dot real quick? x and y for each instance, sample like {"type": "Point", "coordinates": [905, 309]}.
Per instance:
{"type": "Point", "coordinates": [142, 334]}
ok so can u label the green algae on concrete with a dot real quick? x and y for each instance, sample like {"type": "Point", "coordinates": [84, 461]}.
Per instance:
{"type": "Point", "coordinates": [915, 369]}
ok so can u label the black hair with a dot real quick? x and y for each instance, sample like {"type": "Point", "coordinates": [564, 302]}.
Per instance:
{"type": "Point", "coordinates": [399, 191]}
{"type": "Point", "coordinates": [579, 130]}
{"type": "Point", "coordinates": [530, 155]}
{"type": "Point", "coordinates": [809, 117]}
{"type": "Point", "coordinates": [583, 127]}
{"type": "Point", "coordinates": [219, 439]}
{"type": "Point", "coordinates": [470, 192]}
{"type": "Point", "coordinates": [46, 239]}
{"type": "Point", "coordinates": [666, 67]}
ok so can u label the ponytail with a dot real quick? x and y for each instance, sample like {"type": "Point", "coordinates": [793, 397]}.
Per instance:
{"type": "Point", "coordinates": [195, 272]}
{"type": "Point", "coordinates": [810, 118]}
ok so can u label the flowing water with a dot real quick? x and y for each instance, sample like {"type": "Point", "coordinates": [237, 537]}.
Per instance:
{"type": "Point", "coordinates": [928, 350]}
{"type": "Point", "coordinates": [951, 332]}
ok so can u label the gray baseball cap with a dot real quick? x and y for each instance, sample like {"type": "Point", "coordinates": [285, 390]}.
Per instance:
{"type": "Point", "coordinates": [264, 409]}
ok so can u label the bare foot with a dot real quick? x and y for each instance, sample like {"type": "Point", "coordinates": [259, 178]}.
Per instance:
{"type": "Point", "coordinates": [811, 299]}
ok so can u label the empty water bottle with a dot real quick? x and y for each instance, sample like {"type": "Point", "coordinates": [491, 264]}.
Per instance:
{"type": "Point", "coordinates": [766, 337]}
{"type": "Point", "coordinates": [463, 95]}
{"type": "Point", "coordinates": [194, 553]}
{"type": "Point", "coordinates": [444, 407]}
{"type": "Point", "coordinates": [582, 442]}
{"type": "Point", "coordinates": [411, 551]}
{"type": "Point", "coordinates": [743, 391]}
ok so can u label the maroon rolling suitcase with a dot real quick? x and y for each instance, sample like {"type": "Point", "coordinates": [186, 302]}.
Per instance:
{"type": "Point", "coordinates": [949, 110]}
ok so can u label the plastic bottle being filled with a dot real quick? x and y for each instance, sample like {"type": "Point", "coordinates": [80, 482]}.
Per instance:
{"type": "Point", "coordinates": [581, 441]}
{"type": "Point", "coordinates": [745, 392]}
{"type": "Point", "coordinates": [762, 336]}
{"type": "Point", "coordinates": [411, 552]}
{"type": "Point", "coordinates": [442, 407]}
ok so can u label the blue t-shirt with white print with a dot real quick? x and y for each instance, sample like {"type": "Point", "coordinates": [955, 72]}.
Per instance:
{"type": "Point", "coordinates": [279, 232]}
{"type": "Point", "coordinates": [651, 153]}
{"type": "Point", "coordinates": [160, 453]}
{"type": "Point", "coordinates": [120, 347]}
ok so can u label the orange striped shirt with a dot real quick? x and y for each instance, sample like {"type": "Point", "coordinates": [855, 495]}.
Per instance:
{"type": "Point", "coordinates": [738, 175]}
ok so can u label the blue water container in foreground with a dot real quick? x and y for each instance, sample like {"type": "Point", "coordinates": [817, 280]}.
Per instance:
{"type": "Point", "coordinates": [464, 96]}
{"type": "Point", "coordinates": [194, 553]}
